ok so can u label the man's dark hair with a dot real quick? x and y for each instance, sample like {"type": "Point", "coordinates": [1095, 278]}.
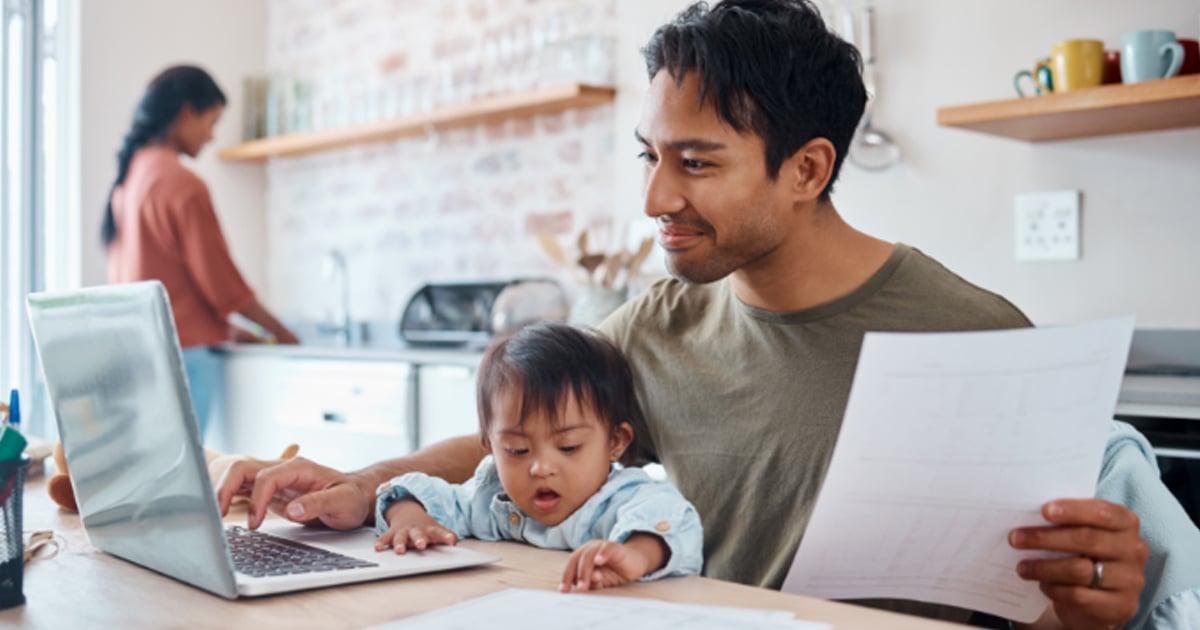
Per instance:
{"type": "Point", "coordinates": [546, 361]}
{"type": "Point", "coordinates": [768, 66]}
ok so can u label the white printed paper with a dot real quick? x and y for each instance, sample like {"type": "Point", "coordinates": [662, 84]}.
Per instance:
{"type": "Point", "coordinates": [949, 441]}
{"type": "Point", "coordinates": [522, 609]}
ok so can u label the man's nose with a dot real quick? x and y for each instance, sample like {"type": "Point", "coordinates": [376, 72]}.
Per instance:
{"type": "Point", "coordinates": [661, 193]}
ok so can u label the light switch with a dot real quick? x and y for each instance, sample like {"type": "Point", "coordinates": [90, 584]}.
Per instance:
{"type": "Point", "coordinates": [1047, 225]}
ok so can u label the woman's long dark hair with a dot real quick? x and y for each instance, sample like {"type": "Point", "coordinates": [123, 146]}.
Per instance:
{"type": "Point", "coordinates": [160, 105]}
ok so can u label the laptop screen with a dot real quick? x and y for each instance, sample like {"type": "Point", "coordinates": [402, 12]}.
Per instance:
{"type": "Point", "coordinates": [112, 364]}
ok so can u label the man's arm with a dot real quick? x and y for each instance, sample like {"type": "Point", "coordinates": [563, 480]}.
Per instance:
{"type": "Point", "coordinates": [453, 459]}
{"type": "Point", "coordinates": [306, 492]}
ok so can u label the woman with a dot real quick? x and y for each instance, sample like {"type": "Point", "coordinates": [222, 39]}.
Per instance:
{"type": "Point", "coordinates": [159, 224]}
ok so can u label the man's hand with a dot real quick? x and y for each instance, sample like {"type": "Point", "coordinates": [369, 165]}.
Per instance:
{"type": "Point", "coordinates": [605, 563]}
{"type": "Point", "coordinates": [411, 527]}
{"type": "Point", "coordinates": [298, 489]}
{"type": "Point", "coordinates": [1095, 531]}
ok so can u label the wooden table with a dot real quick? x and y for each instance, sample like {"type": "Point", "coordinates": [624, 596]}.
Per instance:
{"type": "Point", "coordinates": [84, 588]}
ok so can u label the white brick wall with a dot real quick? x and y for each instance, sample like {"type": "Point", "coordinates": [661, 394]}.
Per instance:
{"type": "Point", "coordinates": [465, 205]}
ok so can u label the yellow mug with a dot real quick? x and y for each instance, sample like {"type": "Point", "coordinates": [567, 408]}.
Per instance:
{"type": "Point", "coordinates": [1076, 64]}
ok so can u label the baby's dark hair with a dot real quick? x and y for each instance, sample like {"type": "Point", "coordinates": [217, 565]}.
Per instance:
{"type": "Point", "coordinates": [546, 361]}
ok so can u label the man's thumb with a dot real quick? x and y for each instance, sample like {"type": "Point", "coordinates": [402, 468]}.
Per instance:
{"type": "Point", "coordinates": [335, 507]}
{"type": "Point", "coordinates": [296, 510]}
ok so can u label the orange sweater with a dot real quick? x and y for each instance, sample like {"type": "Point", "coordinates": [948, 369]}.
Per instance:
{"type": "Point", "coordinates": [167, 231]}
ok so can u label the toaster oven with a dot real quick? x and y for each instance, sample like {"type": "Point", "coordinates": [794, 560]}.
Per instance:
{"type": "Point", "coordinates": [471, 313]}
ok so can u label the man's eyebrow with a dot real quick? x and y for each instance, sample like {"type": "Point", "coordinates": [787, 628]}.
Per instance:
{"type": "Point", "coordinates": [687, 144]}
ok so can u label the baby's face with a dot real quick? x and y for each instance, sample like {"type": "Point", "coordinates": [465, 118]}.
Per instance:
{"type": "Point", "coordinates": [550, 471]}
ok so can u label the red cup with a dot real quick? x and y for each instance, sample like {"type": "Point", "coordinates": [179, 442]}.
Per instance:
{"type": "Point", "coordinates": [1112, 67]}
{"type": "Point", "coordinates": [1191, 56]}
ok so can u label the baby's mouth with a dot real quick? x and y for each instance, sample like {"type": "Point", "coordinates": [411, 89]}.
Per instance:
{"type": "Point", "coordinates": [546, 500]}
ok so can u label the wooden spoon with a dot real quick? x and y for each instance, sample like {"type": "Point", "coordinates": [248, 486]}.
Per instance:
{"type": "Point", "coordinates": [554, 250]}
{"type": "Point", "coordinates": [639, 257]}
{"type": "Point", "coordinates": [615, 263]}
{"type": "Point", "coordinates": [590, 262]}
{"type": "Point", "coordinates": [583, 243]}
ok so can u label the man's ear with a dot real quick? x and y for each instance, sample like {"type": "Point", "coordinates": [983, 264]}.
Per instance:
{"type": "Point", "coordinates": [619, 440]}
{"type": "Point", "coordinates": [810, 168]}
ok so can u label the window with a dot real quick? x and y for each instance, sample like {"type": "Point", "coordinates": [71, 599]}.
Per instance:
{"type": "Point", "coordinates": [36, 235]}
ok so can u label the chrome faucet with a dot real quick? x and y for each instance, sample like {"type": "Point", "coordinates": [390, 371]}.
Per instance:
{"type": "Point", "coordinates": [335, 265]}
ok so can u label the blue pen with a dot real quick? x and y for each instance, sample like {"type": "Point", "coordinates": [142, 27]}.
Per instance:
{"type": "Point", "coordinates": [14, 409]}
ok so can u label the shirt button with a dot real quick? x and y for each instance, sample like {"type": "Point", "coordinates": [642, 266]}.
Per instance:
{"type": "Point", "coordinates": [662, 526]}
{"type": "Point", "coordinates": [514, 519]}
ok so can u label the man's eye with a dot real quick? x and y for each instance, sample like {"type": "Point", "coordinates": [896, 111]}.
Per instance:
{"type": "Point", "coordinates": [517, 452]}
{"type": "Point", "coordinates": [569, 449]}
{"type": "Point", "coordinates": [647, 157]}
{"type": "Point", "coordinates": [694, 165]}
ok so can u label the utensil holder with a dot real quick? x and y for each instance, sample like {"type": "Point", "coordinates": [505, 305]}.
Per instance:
{"type": "Point", "coordinates": [593, 303]}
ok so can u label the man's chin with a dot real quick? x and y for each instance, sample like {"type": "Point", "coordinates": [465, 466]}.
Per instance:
{"type": "Point", "coordinates": [696, 273]}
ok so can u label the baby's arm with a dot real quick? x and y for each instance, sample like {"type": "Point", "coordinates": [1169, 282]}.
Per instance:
{"type": "Point", "coordinates": [647, 531]}
{"type": "Point", "coordinates": [607, 563]}
{"type": "Point", "coordinates": [416, 510]}
{"type": "Point", "coordinates": [411, 527]}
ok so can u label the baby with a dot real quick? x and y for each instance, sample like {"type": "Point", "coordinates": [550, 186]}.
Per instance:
{"type": "Point", "coordinates": [556, 405]}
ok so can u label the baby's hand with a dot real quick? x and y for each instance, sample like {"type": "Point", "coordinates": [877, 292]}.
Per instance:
{"type": "Point", "coordinates": [604, 563]}
{"type": "Point", "coordinates": [411, 527]}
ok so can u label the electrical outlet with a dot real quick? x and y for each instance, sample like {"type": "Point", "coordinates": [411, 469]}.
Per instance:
{"type": "Point", "coordinates": [1047, 225]}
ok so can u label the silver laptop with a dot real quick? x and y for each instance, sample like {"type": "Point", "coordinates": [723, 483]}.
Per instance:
{"type": "Point", "coordinates": [114, 370]}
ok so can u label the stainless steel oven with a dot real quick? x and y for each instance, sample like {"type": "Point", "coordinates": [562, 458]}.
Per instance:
{"type": "Point", "coordinates": [1176, 443]}
{"type": "Point", "coordinates": [1161, 397]}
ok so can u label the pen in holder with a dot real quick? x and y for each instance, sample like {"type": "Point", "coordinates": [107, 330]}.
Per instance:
{"type": "Point", "coordinates": [12, 564]}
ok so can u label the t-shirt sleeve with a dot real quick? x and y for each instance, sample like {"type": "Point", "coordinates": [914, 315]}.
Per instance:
{"type": "Point", "coordinates": [206, 257]}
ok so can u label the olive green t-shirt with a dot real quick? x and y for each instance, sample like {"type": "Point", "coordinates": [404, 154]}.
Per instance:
{"type": "Point", "coordinates": [743, 405]}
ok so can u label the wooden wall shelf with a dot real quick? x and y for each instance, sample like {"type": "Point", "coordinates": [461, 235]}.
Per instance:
{"type": "Point", "coordinates": [1102, 111]}
{"type": "Point", "coordinates": [545, 100]}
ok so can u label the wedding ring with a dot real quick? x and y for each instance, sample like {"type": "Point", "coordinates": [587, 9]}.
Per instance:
{"type": "Point", "coordinates": [1097, 574]}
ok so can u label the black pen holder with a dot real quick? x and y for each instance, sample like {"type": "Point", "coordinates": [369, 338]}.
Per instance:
{"type": "Point", "coordinates": [12, 564]}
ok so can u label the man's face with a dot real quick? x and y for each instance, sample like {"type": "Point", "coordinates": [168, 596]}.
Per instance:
{"type": "Point", "coordinates": [707, 187]}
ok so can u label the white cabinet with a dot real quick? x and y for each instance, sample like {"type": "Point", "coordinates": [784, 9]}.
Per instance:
{"type": "Point", "coordinates": [343, 413]}
{"type": "Point", "coordinates": [445, 402]}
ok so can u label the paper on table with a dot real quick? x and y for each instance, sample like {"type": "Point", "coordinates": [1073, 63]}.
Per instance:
{"type": "Point", "coordinates": [949, 441]}
{"type": "Point", "coordinates": [521, 609]}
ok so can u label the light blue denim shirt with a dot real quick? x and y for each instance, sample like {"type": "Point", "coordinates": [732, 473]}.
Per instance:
{"type": "Point", "coordinates": [1171, 598]}
{"type": "Point", "coordinates": [629, 502]}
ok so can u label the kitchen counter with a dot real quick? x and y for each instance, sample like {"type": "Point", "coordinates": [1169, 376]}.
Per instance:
{"type": "Point", "coordinates": [344, 405]}
{"type": "Point", "coordinates": [1160, 396]}
{"type": "Point", "coordinates": [369, 341]}
{"type": "Point", "coordinates": [467, 357]}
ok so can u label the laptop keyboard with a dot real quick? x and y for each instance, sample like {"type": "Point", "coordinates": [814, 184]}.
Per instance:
{"type": "Point", "coordinates": [258, 554]}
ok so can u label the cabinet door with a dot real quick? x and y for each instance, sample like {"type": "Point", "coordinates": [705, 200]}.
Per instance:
{"type": "Point", "coordinates": [346, 414]}
{"type": "Point", "coordinates": [245, 423]}
{"type": "Point", "coordinates": [343, 414]}
{"type": "Point", "coordinates": [446, 402]}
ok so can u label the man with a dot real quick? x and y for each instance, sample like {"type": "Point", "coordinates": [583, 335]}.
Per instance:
{"type": "Point", "coordinates": [744, 361]}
